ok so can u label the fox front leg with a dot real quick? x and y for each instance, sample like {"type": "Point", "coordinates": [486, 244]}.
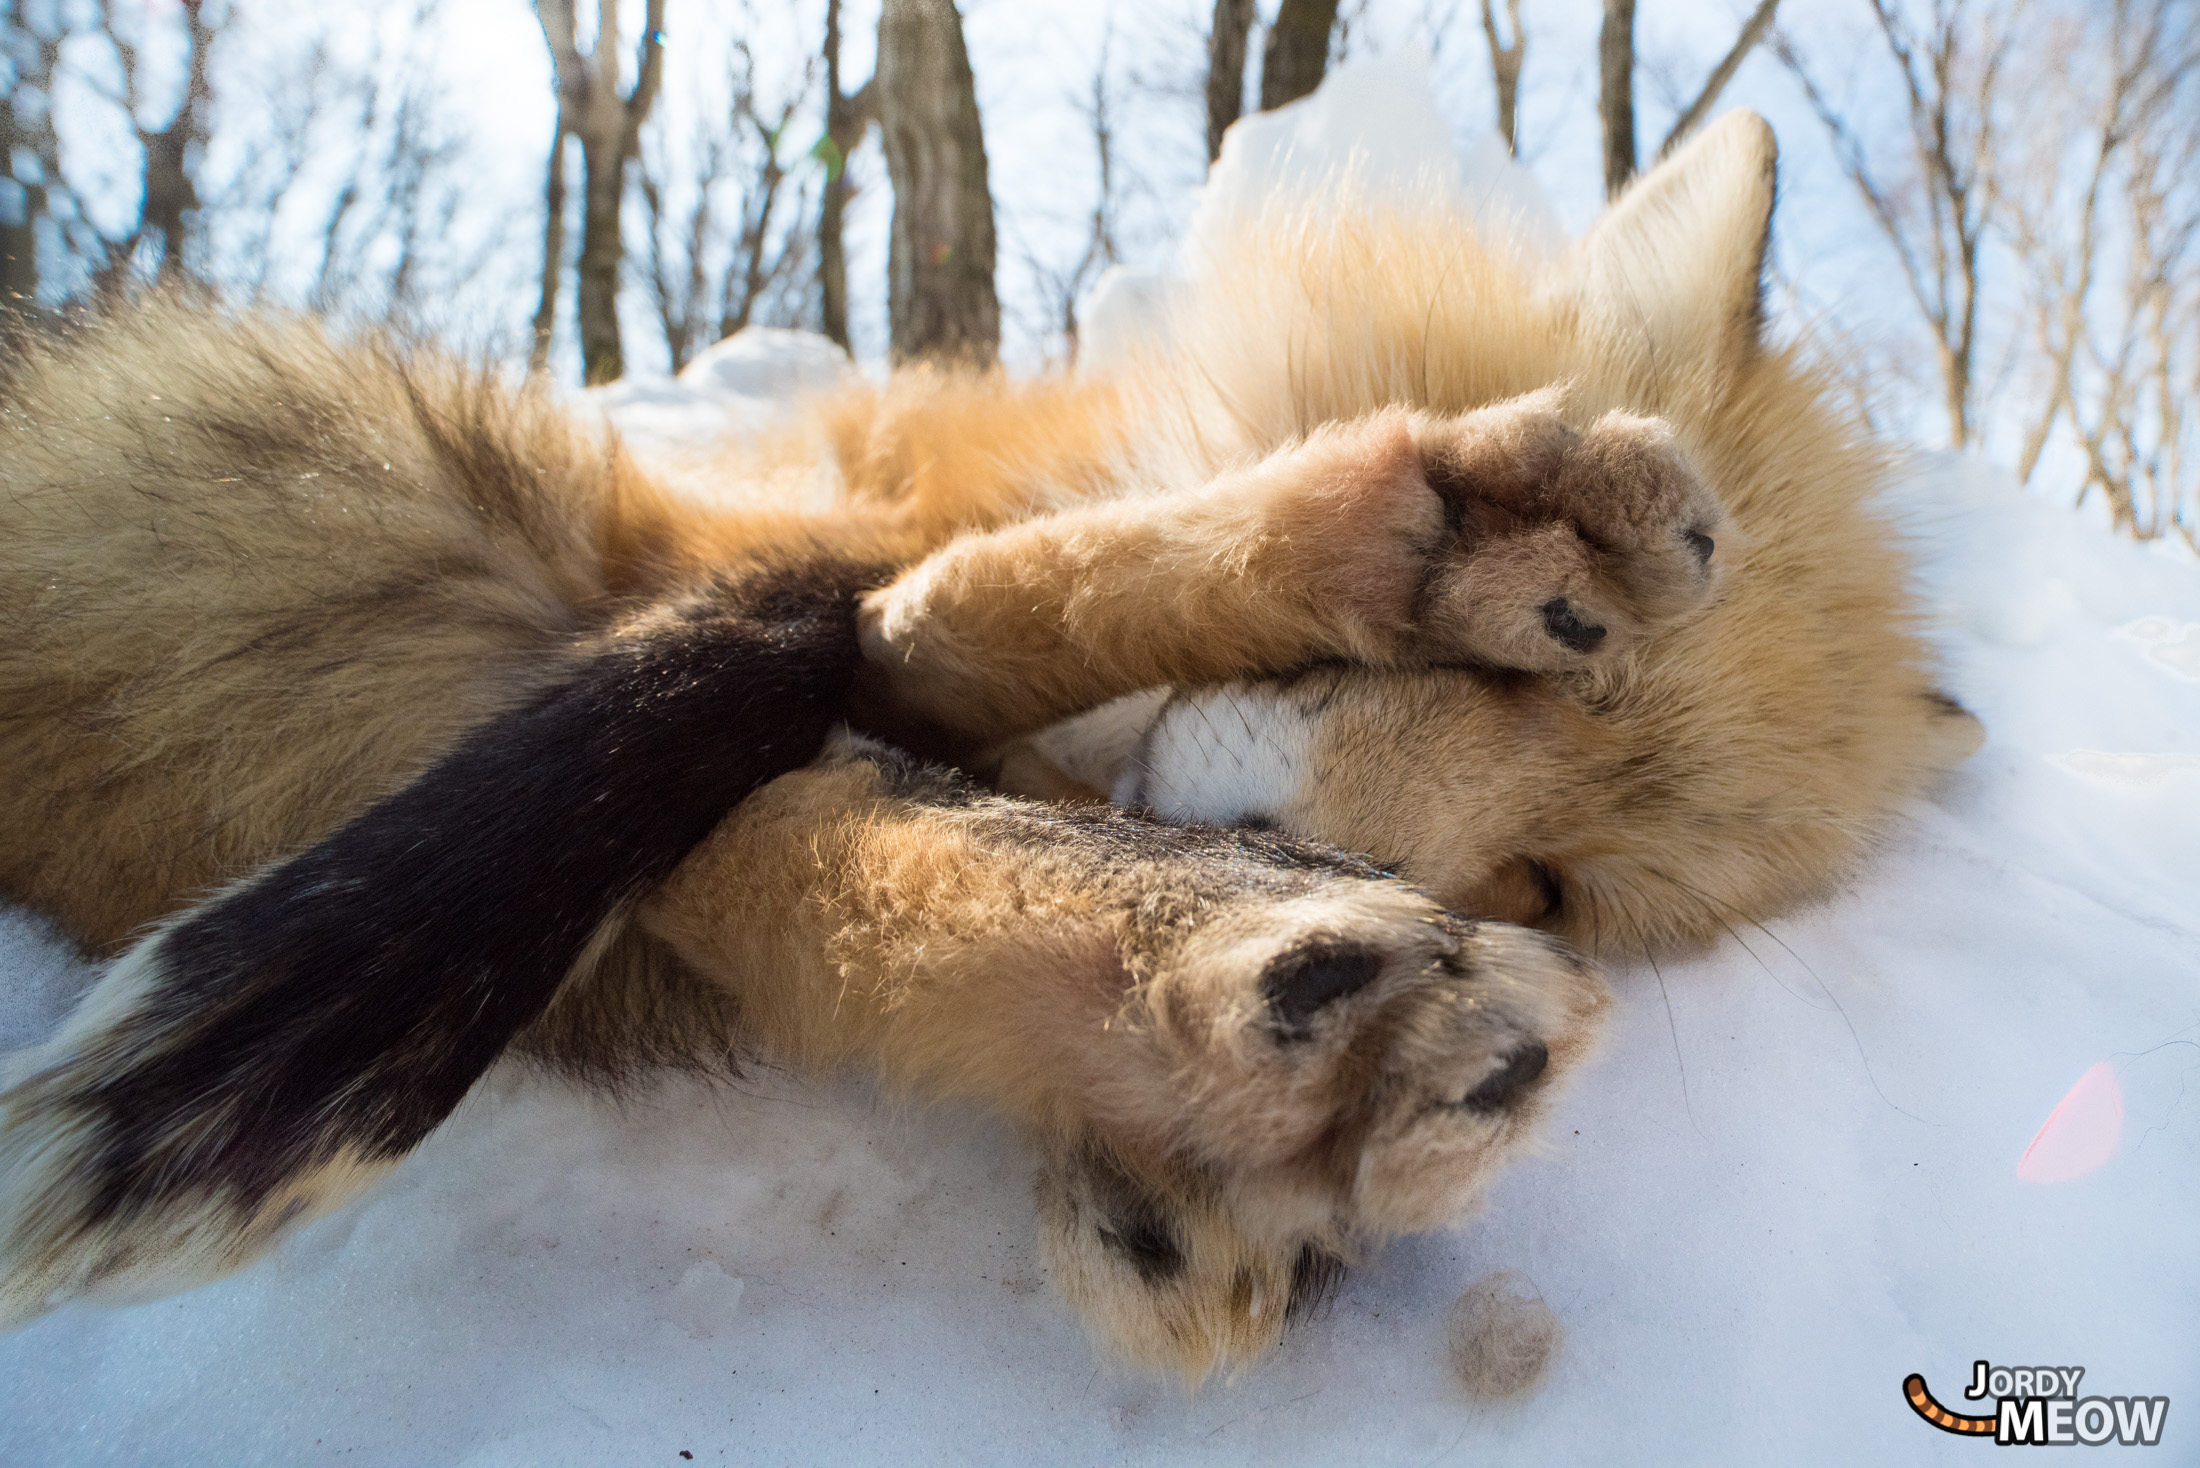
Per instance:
{"type": "Point", "coordinates": [1316, 552]}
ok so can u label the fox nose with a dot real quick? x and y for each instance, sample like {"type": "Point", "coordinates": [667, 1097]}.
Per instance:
{"type": "Point", "coordinates": [1514, 1074]}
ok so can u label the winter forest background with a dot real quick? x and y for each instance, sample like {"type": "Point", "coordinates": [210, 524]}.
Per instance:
{"type": "Point", "coordinates": [1990, 214]}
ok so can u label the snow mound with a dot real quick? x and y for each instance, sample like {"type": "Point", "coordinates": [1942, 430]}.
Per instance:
{"type": "Point", "coordinates": [1371, 135]}
{"type": "Point", "coordinates": [741, 384]}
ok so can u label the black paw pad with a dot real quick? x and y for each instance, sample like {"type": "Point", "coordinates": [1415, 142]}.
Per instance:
{"type": "Point", "coordinates": [1297, 984]}
{"type": "Point", "coordinates": [1514, 1074]}
{"type": "Point", "coordinates": [1559, 620]}
{"type": "Point", "coordinates": [1701, 544]}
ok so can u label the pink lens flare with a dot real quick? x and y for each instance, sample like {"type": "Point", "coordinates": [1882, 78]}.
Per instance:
{"type": "Point", "coordinates": [2081, 1132]}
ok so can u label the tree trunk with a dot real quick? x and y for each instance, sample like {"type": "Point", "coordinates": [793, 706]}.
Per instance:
{"type": "Point", "coordinates": [169, 192]}
{"type": "Point", "coordinates": [1955, 376]}
{"type": "Point", "coordinates": [609, 126]}
{"type": "Point", "coordinates": [553, 251]}
{"type": "Point", "coordinates": [1233, 23]}
{"type": "Point", "coordinates": [940, 290]}
{"type": "Point", "coordinates": [1616, 94]}
{"type": "Point", "coordinates": [847, 118]}
{"type": "Point", "coordinates": [19, 215]}
{"type": "Point", "coordinates": [1297, 52]}
{"type": "Point", "coordinates": [1505, 69]}
{"type": "Point", "coordinates": [26, 137]}
{"type": "Point", "coordinates": [745, 286]}
{"type": "Point", "coordinates": [603, 251]}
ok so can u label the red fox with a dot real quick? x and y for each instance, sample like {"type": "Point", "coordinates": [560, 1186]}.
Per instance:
{"type": "Point", "coordinates": [1448, 626]}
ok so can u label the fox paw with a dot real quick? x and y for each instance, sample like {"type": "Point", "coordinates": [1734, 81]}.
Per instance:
{"type": "Point", "coordinates": [1569, 547]}
{"type": "Point", "coordinates": [1361, 1086]}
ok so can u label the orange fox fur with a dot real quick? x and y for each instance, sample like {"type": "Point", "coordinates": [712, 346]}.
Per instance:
{"type": "Point", "coordinates": [1559, 594]}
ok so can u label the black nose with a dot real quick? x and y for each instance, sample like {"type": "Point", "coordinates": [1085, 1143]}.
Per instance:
{"type": "Point", "coordinates": [1702, 545]}
{"type": "Point", "coordinates": [1513, 1075]}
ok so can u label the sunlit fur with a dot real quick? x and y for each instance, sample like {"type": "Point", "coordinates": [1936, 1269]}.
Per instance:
{"type": "Point", "coordinates": [1728, 768]}
{"type": "Point", "coordinates": [253, 581]}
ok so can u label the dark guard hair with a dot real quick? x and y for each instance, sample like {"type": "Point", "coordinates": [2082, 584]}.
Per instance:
{"type": "Point", "coordinates": [327, 1013]}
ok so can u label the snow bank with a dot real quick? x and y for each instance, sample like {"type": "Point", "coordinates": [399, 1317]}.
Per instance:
{"type": "Point", "coordinates": [1793, 1180]}
{"type": "Point", "coordinates": [1370, 135]}
{"type": "Point", "coordinates": [738, 385]}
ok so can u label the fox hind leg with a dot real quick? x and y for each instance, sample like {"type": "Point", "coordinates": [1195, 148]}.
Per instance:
{"type": "Point", "coordinates": [1242, 1057]}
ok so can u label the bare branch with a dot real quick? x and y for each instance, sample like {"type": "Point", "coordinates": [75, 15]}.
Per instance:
{"type": "Point", "coordinates": [649, 67]}
{"type": "Point", "coordinates": [723, 245]}
{"type": "Point", "coordinates": [847, 118]}
{"type": "Point", "coordinates": [1692, 116]}
{"type": "Point", "coordinates": [1951, 75]}
{"type": "Point", "coordinates": [553, 250]}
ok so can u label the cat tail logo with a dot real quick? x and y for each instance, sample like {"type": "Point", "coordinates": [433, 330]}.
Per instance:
{"type": "Point", "coordinates": [2039, 1406]}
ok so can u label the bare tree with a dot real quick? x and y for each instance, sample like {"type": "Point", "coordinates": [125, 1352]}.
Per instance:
{"type": "Point", "coordinates": [545, 325]}
{"type": "Point", "coordinates": [1616, 94]}
{"type": "Point", "coordinates": [1062, 286]}
{"type": "Point", "coordinates": [1505, 63]}
{"type": "Point", "coordinates": [847, 117]}
{"type": "Point", "coordinates": [1937, 217]}
{"type": "Point", "coordinates": [940, 291]}
{"type": "Point", "coordinates": [168, 197]}
{"type": "Point", "coordinates": [708, 271]}
{"type": "Point", "coordinates": [239, 211]}
{"type": "Point", "coordinates": [340, 181]}
{"type": "Point", "coordinates": [171, 150]}
{"type": "Point", "coordinates": [2106, 171]}
{"type": "Point", "coordinates": [1692, 116]}
{"type": "Point", "coordinates": [1297, 53]}
{"type": "Point", "coordinates": [311, 159]}
{"type": "Point", "coordinates": [30, 151]}
{"type": "Point", "coordinates": [1227, 38]}
{"type": "Point", "coordinates": [608, 123]}
{"type": "Point", "coordinates": [300, 168]}
{"type": "Point", "coordinates": [30, 147]}
{"type": "Point", "coordinates": [385, 239]}
{"type": "Point", "coordinates": [1616, 87]}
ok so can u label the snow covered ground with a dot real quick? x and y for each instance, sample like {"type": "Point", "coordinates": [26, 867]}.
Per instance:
{"type": "Point", "coordinates": [1807, 1166]}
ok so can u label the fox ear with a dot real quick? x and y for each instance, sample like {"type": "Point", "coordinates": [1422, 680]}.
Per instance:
{"type": "Point", "coordinates": [1674, 270]}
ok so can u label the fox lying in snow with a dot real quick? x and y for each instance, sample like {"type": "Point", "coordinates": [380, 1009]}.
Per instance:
{"type": "Point", "coordinates": [422, 724]}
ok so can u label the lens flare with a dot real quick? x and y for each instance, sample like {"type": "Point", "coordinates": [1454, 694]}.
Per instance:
{"type": "Point", "coordinates": [2081, 1132]}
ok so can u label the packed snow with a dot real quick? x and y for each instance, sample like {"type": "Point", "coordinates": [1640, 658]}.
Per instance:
{"type": "Point", "coordinates": [1810, 1163]}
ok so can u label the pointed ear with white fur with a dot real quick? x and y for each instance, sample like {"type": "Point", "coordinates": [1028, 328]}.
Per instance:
{"type": "Point", "coordinates": [1674, 268]}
